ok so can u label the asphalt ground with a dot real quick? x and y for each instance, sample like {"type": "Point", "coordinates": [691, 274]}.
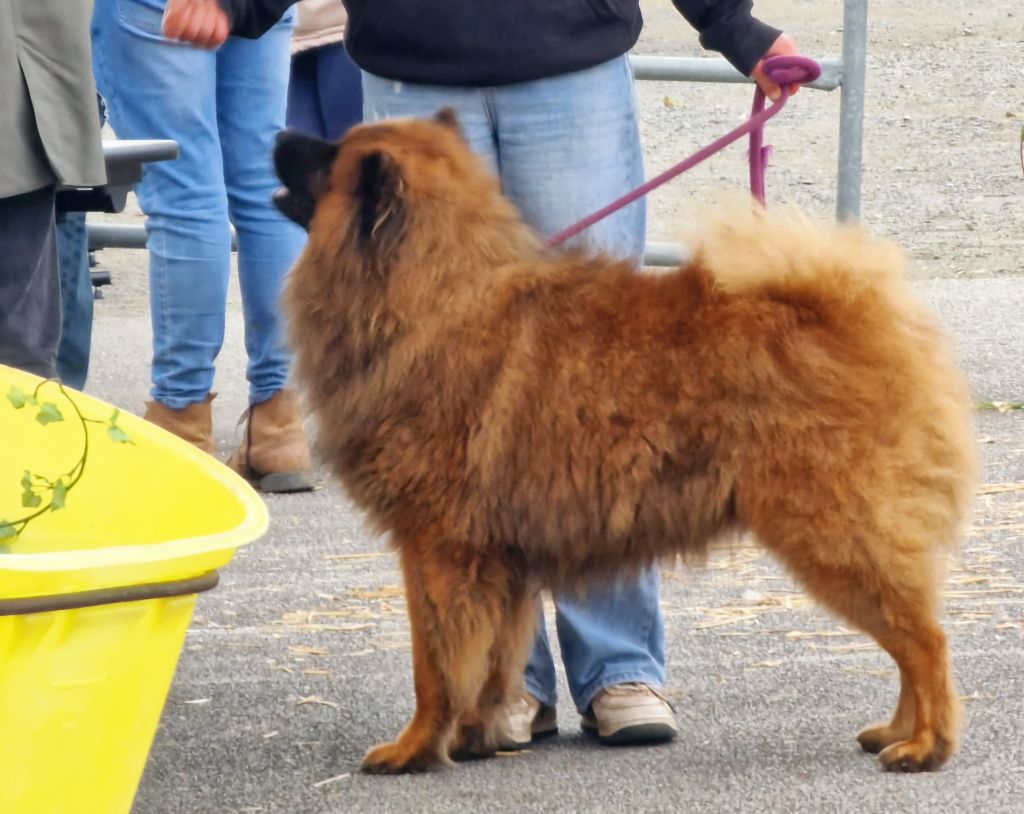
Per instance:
{"type": "Point", "coordinates": [300, 659]}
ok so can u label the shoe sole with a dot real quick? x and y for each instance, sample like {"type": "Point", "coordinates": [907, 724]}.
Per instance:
{"type": "Point", "coordinates": [285, 482]}
{"type": "Point", "coordinates": [636, 735]}
{"type": "Point", "coordinates": [543, 735]}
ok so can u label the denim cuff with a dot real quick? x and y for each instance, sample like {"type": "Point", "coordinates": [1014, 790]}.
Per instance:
{"type": "Point", "coordinates": [549, 699]}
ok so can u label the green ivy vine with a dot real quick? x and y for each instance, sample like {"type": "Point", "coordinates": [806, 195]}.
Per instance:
{"type": "Point", "coordinates": [41, 493]}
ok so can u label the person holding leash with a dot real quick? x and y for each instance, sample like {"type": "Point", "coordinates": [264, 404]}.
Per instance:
{"type": "Point", "coordinates": [543, 92]}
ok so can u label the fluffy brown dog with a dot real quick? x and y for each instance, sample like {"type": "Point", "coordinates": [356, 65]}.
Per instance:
{"type": "Point", "coordinates": [520, 418]}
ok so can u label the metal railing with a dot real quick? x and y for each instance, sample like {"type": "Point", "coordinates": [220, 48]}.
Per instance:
{"type": "Point", "coordinates": [846, 75]}
{"type": "Point", "coordinates": [851, 108]}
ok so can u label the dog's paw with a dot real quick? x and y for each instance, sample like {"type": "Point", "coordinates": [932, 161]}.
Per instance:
{"type": "Point", "coordinates": [397, 758]}
{"type": "Point", "coordinates": [914, 756]}
{"type": "Point", "coordinates": [875, 738]}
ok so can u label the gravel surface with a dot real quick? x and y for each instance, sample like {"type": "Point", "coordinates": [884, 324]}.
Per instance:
{"type": "Point", "coordinates": [944, 111]}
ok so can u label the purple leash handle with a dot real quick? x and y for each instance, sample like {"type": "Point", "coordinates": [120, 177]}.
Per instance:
{"type": "Point", "coordinates": [783, 71]}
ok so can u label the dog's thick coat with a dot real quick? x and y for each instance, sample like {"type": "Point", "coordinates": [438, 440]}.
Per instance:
{"type": "Point", "coordinates": [520, 418]}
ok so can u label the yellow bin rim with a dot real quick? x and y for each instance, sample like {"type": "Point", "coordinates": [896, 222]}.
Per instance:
{"type": "Point", "coordinates": [24, 573]}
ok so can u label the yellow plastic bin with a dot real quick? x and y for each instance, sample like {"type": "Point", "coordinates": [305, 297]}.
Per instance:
{"type": "Point", "coordinates": [95, 597]}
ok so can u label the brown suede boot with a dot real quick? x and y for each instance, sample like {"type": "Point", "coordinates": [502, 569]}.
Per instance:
{"type": "Point", "coordinates": [193, 423]}
{"type": "Point", "coordinates": [274, 454]}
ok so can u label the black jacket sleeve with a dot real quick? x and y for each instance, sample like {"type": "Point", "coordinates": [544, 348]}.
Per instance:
{"type": "Point", "coordinates": [726, 26]}
{"type": "Point", "coordinates": [729, 27]}
{"type": "Point", "coordinates": [253, 18]}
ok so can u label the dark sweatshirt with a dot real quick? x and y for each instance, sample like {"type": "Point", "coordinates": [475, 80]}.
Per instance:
{"type": "Point", "coordinates": [497, 42]}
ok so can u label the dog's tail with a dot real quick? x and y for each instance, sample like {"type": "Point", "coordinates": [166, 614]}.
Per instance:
{"type": "Point", "coordinates": [856, 288]}
{"type": "Point", "coordinates": [778, 253]}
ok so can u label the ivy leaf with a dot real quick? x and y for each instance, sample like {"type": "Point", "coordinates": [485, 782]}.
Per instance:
{"type": "Point", "coordinates": [30, 500]}
{"type": "Point", "coordinates": [113, 417]}
{"type": "Point", "coordinates": [49, 413]}
{"type": "Point", "coordinates": [7, 530]}
{"type": "Point", "coordinates": [118, 435]}
{"type": "Point", "coordinates": [60, 494]}
{"type": "Point", "coordinates": [26, 481]}
{"type": "Point", "coordinates": [17, 398]}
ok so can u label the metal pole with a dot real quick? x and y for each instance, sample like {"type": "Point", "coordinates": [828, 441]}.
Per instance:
{"type": "Point", "coordinates": [115, 236]}
{"type": "Point", "coordinates": [698, 69]}
{"type": "Point", "coordinates": [851, 109]}
{"type": "Point", "coordinates": [124, 236]}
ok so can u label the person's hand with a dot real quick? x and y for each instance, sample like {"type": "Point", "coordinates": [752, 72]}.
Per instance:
{"type": "Point", "coordinates": [783, 46]}
{"type": "Point", "coordinates": [202, 23]}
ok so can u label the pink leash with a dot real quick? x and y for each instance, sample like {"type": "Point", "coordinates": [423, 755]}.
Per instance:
{"type": "Point", "coordinates": [783, 71]}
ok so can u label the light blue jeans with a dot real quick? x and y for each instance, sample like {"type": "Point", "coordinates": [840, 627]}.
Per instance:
{"type": "Point", "coordinates": [75, 300]}
{"type": "Point", "coordinates": [76, 294]}
{"type": "Point", "coordinates": [563, 147]}
{"type": "Point", "coordinates": [223, 108]}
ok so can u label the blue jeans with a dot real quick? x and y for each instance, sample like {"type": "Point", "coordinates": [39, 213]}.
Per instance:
{"type": "Point", "coordinates": [75, 300]}
{"type": "Point", "coordinates": [76, 294]}
{"type": "Point", "coordinates": [223, 108]}
{"type": "Point", "coordinates": [324, 94]}
{"type": "Point", "coordinates": [563, 147]}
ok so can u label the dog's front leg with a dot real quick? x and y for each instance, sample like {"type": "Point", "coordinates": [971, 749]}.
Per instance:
{"type": "Point", "coordinates": [479, 732]}
{"type": "Point", "coordinates": [454, 609]}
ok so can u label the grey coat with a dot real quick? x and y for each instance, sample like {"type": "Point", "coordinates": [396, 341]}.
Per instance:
{"type": "Point", "coordinates": [49, 130]}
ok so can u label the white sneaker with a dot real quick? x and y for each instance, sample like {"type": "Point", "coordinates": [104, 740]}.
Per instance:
{"type": "Point", "coordinates": [630, 714]}
{"type": "Point", "coordinates": [526, 720]}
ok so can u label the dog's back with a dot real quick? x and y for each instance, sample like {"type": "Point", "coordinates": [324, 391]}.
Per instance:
{"type": "Point", "coordinates": [638, 417]}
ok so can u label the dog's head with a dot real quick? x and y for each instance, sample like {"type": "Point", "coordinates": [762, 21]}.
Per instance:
{"type": "Point", "coordinates": [382, 181]}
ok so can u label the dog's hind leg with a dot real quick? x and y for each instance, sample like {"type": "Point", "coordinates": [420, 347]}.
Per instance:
{"type": "Point", "coordinates": [928, 706]}
{"type": "Point", "coordinates": [886, 585]}
{"type": "Point", "coordinates": [919, 647]}
{"type": "Point", "coordinates": [878, 736]}
{"type": "Point", "coordinates": [454, 599]}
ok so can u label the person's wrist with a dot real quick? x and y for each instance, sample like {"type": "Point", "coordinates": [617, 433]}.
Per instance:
{"type": "Point", "coordinates": [783, 45]}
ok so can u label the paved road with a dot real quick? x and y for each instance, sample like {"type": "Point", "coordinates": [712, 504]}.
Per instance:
{"type": "Point", "coordinates": [300, 659]}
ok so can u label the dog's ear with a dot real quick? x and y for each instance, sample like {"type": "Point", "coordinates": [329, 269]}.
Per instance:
{"type": "Point", "coordinates": [446, 117]}
{"type": "Point", "coordinates": [303, 164]}
{"type": "Point", "coordinates": [380, 193]}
